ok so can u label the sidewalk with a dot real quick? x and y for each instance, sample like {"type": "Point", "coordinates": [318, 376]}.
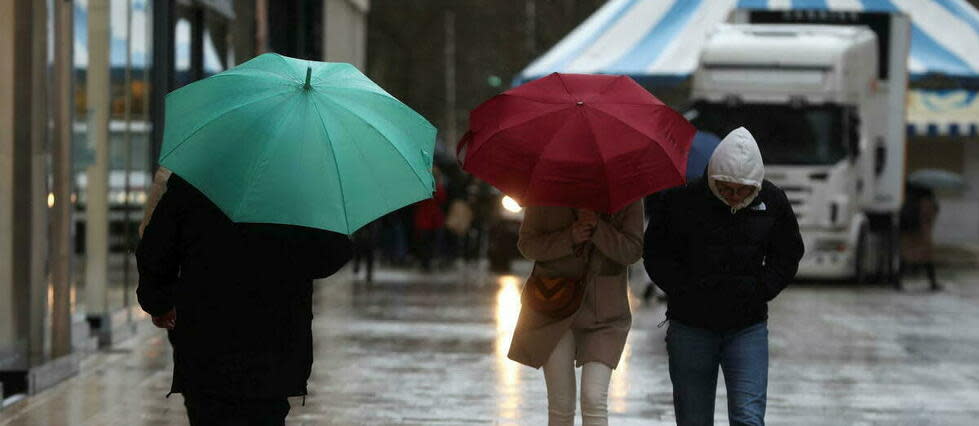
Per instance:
{"type": "Point", "coordinates": [416, 349]}
{"type": "Point", "coordinates": [957, 255]}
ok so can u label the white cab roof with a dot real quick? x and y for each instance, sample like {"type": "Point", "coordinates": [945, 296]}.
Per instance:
{"type": "Point", "coordinates": [782, 45]}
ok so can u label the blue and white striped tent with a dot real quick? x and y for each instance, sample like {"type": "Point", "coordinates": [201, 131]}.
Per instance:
{"type": "Point", "coordinates": [943, 113]}
{"type": "Point", "coordinates": [659, 41]}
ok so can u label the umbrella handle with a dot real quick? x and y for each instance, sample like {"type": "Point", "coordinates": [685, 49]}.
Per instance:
{"type": "Point", "coordinates": [461, 146]}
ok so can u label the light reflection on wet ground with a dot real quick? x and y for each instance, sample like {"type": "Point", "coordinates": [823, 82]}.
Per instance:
{"type": "Point", "coordinates": [508, 372]}
{"type": "Point", "coordinates": [431, 350]}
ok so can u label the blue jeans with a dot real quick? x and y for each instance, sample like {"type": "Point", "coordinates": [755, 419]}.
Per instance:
{"type": "Point", "coordinates": [695, 354]}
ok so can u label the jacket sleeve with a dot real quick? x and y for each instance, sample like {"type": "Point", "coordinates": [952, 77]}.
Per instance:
{"type": "Point", "coordinates": [622, 244]}
{"type": "Point", "coordinates": [660, 254]}
{"type": "Point", "coordinates": [158, 257]}
{"type": "Point", "coordinates": [542, 246]}
{"type": "Point", "coordinates": [783, 253]}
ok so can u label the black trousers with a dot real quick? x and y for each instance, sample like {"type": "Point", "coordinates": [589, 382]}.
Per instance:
{"type": "Point", "coordinates": [217, 410]}
{"type": "Point", "coordinates": [907, 267]}
{"type": "Point", "coordinates": [365, 253]}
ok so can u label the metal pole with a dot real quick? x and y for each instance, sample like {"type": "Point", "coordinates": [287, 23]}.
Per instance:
{"type": "Point", "coordinates": [97, 191]}
{"type": "Point", "coordinates": [16, 188]}
{"type": "Point", "coordinates": [531, 25]}
{"type": "Point", "coordinates": [61, 207]}
{"type": "Point", "coordinates": [128, 145]}
{"type": "Point", "coordinates": [38, 187]}
{"type": "Point", "coordinates": [162, 71]}
{"type": "Point", "coordinates": [8, 103]}
{"type": "Point", "coordinates": [261, 27]}
{"type": "Point", "coordinates": [197, 43]}
{"type": "Point", "coordinates": [450, 80]}
{"type": "Point", "coordinates": [147, 75]}
{"type": "Point", "coordinates": [245, 31]}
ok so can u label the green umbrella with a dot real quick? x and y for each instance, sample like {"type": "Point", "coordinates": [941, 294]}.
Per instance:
{"type": "Point", "coordinates": [289, 141]}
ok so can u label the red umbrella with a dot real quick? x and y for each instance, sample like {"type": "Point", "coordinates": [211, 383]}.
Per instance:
{"type": "Point", "coordinates": [597, 142]}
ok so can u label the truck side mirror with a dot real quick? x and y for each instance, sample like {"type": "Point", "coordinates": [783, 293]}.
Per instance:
{"type": "Point", "coordinates": [880, 157]}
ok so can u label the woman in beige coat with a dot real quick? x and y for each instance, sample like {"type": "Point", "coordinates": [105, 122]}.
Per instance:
{"type": "Point", "coordinates": [593, 337]}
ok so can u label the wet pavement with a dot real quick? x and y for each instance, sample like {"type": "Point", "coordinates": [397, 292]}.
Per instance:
{"type": "Point", "coordinates": [431, 350]}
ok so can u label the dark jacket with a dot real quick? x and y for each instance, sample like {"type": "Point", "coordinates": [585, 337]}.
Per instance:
{"type": "Point", "coordinates": [242, 293]}
{"type": "Point", "coordinates": [719, 269]}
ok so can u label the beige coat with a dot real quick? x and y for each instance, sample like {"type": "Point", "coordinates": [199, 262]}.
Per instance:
{"type": "Point", "coordinates": [602, 323]}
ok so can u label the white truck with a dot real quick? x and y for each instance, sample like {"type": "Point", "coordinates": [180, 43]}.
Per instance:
{"type": "Point", "coordinates": [824, 95]}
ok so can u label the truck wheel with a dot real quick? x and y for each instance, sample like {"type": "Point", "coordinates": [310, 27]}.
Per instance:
{"type": "Point", "coordinates": [862, 262]}
{"type": "Point", "coordinates": [894, 257]}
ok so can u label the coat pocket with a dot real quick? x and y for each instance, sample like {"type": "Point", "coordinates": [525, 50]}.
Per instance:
{"type": "Point", "coordinates": [611, 298]}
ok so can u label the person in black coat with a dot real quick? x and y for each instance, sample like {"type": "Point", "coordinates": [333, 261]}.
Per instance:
{"type": "Point", "coordinates": [237, 300]}
{"type": "Point", "coordinates": [721, 248]}
{"type": "Point", "coordinates": [918, 216]}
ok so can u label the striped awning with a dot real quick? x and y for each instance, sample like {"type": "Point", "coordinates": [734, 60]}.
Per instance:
{"type": "Point", "coordinates": [660, 40]}
{"type": "Point", "coordinates": [943, 113]}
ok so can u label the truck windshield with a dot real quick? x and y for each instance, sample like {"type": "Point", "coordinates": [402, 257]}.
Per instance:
{"type": "Point", "coordinates": [807, 135]}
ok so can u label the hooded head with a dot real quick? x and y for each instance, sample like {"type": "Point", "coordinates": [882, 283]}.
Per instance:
{"type": "Point", "coordinates": [736, 160]}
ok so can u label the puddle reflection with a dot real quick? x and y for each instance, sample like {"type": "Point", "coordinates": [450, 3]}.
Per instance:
{"type": "Point", "coordinates": [619, 387]}
{"type": "Point", "coordinates": [508, 372]}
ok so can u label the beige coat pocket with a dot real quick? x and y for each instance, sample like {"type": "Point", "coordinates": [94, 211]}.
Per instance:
{"type": "Point", "coordinates": [611, 298]}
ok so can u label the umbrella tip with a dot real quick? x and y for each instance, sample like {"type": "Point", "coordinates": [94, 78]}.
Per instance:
{"type": "Point", "coordinates": [309, 73]}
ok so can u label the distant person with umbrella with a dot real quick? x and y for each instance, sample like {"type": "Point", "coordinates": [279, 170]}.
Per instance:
{"type": "Point", "coordinates": [580, 151]}
{"type": "Point", "coordinates": [918, 215]}
{"type": "Point", "coordinates": [721, 248]}
{"type": "Point", "coordinates": [274, 162]}
{"type": "Point", "coordinates": [429, 221]}
{"type": "Point", "coordinates": [364, 243]}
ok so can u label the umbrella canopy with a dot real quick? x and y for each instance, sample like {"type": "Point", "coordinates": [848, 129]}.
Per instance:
{"type": "Point", "coordinates": [289, 141]}
{"type": "Point", "coordinates": [701, 149]}
{"type": "Point", "coordinates": [589, 141]}
{"type": "Point", "coordinates": [938, 179]}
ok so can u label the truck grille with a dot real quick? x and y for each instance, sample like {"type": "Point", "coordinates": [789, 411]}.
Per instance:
{"type": "Point", "coordinates": [799, 205]}
{"type": "Point", "coordinates": [797, 196]}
